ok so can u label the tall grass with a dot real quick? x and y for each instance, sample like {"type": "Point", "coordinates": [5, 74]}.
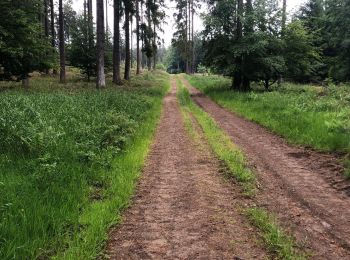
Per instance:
{"type": "Point", "coordinates": [68, 162]}
{"type": "Point", "coordinates": [304, 114]}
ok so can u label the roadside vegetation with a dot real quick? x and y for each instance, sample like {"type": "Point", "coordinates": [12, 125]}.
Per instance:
{"type": "Point", "coordinates": [221, 144]}
{"type": "Point", "coordinates": [304, 114]}
{"type": "Point", "coordinates": [276, 240]}
{"type": "Point", "coordinates": [69, 158]}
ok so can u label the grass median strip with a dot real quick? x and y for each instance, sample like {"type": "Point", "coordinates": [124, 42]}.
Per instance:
{"type": "Point", "coordinates": [221, 144]}
{"type": "Point", "coordinates": [282, 245]}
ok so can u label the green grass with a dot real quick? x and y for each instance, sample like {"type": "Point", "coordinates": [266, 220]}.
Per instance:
{"type": "Point", "coordinates": [303, 114]}
{"type": "Point", "coordinates": [276, 240]}
{"type": "Point", "coordinates": [221, 143]}
{"type": "Point", "coordinates": [69, 159]}
{"type": "Point", "coordinates": [282, 245]}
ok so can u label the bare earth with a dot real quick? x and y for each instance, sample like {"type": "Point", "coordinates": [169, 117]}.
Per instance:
{"type": "Point", "coordinates": [304, 188]}
{"type": "Point", "coordinates": [183, 208]}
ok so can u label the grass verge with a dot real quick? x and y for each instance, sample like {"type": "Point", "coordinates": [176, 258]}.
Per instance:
{"type": "Point", "coordinates": [69, 159]}
{"type": "Point", "coordinates": [303, 114]}
{"type": "Point", "coordinates": [277, 241]}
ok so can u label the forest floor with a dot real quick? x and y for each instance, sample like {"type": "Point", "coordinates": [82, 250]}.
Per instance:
{"type": "Point", "coordinates": [184, 208]}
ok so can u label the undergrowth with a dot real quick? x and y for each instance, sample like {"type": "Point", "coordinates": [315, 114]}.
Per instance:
{"type": "Point", "coordinates": [304, 114]}
{"type": "Point", "coordinates": [69, 158]}
{"type": "Point", "coordinates": [277, 241]}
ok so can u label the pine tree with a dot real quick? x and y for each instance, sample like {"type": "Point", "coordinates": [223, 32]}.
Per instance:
{"type": "Point", "coordinates": [100, 81]}
{"type": "Point", "coordinates": [127, 11]}
{"type": "Point", "coordinates": [116, 43]}
{"type": "Point", "coordinates": [62, 44]}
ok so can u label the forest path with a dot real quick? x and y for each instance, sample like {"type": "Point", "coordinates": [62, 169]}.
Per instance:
{"type": "Point", "coordinates": [183, 208]}
{"type": "Point", "coordinates": [304, 188]}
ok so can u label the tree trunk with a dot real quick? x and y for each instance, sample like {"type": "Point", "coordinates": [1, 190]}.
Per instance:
{"type": "Point", "coordinates": [100, 81]}
{"type": "Point", "coordinates": [107, 32]}
{"type": "Point", "coordinates": [284, 16]}
{"type": "Point", "coordinates": [116, 44]}
{"type": "Point", "coordinates": [61, 44]}
{"type": "Point", "coordinates": [284, 21]}
{"type": "Point", "coordinates": [131, 41]}
{"type": "Point", "coordinates": [238, 78]}
{"type": "Point", "coordinates": [192, 42]}
{"type": "Point", "coordinates": [92, 67]}
{"type": "Point", "coordinates": [138, 60]}
{"type": "Point", "coordinates": [46, 24]}
{"type": "Point", "coordinates": [266, 84]}
{"type": "Point", "coordinates": [189, 38]}
{"type": "Point", "coordinates": [127, 42]}
{"type": "Point", "coordinates": [143, 58]}
{"type": "Point", "coordinates": [25, 82]}
{"type": "Point", "coordinates": [154, 46]}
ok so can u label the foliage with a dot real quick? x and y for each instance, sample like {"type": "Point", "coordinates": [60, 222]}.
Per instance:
{"type": "Point", "coordinates": [23, 48]}
{"type": "Point", "coordinates": [301, 58]}
{"type": "Point", "coordinates": [81, 54]}
{"type": "Point", "coordinates": [305, 115]}
{"type": "Point", "coordinates": [66, 155]}
{"type": "Point", "coordinates": [328, 22]}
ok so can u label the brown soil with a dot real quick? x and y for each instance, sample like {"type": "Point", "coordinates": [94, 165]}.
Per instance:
{"type": "Point", "coordinates": [304, 188]}
{"type": "Point", "coordinates": [183, 208]}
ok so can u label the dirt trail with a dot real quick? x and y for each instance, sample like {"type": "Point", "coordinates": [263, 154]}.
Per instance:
{"type": "Point", "coordinates": [183, 208]}
{"type": "Point", "coordinates": [302, 187]}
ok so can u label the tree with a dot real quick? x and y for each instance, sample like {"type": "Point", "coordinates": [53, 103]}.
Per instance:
{"type": "Point", "coordinates": [62, 44]}
{"type": "Point", "coordinates": [180, 39]}
{"type": "Point", "coordinates": [127, 10]}
{"type": "Point", "coordinates": [53, 32]}
{"type": "Point", "coordinates": [100, 42]}
{"type": "Point", "coordinates": [81, 55]}
{"type": "Point", "coordinates": [116, 43]}
{"type": "Point", "coordinates": [243, 41]}
{"type": "Point", "coordinates": [301, 57]}
{"type": "Point", "coordinates": [22, 47]}
{"type": "Point", "coordinates": [284, 16]}
{"type": "Point", "coordinates": [138, 56]}
{"type": "Point", "coordinates": [336, 34]}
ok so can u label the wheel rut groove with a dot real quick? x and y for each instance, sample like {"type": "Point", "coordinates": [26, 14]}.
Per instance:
{"type": "Point", "coordinates": [183, 208]}
{"type": "Point", "coordinates": [304, 188]}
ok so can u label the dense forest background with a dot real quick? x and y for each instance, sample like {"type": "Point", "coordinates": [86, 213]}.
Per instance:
{"type": "Point", "coordinates": [250, 41]}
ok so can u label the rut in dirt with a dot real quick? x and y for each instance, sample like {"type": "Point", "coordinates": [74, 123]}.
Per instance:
{"type": "Point", "coordinates": [183, 208]}
{"type": "Point", "coordinates": [304, 188]}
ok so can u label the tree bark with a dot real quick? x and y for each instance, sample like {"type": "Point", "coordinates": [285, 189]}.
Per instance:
{"type": "Point", "coordinates": [25, 82]}
{"type": "Point", "coordinates": [284, 16]}
{"type": "Point", "coordinates": [138, 60]}
{"type": "Point", "coordinates": [100, 81]}
{"type": "Point", "coordinates": [61, 44]}
{"type": "Point", "coordinates": [116, 44]}
{"type": "Point", "coordinates": [186, 39]}
{"type": "Point", "coordinates": [154, 45]}
{"type": "Point", "coordinates": [46, 24]}
{"type": "Point", "coordinates": [192, 42]}
{"type": "Point", "coordinates": [107, 19]}
{"type": "Point", "coordinates": [127, 41]}
{"type": "Point", "coordinates": [237, 81]}
{"type": "Point", "coordinates": [131, 41]}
